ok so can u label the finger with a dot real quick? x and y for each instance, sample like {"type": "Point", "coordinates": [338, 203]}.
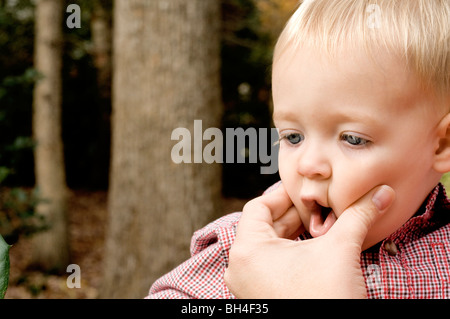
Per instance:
{"type": "Point", "coordinates": [258, 215]}
{"type": "Point", "coordinates": [356, 220]}
{"type": "Point", "coordinates": [289, 225]}
{"type": "Point", "coordinates": [278, 201]}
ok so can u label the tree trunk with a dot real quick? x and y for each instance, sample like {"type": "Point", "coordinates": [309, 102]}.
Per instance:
{"type": "Point", "coordinates": [51, 250]}
{"type": "Point", "coordinates": [166, 75]}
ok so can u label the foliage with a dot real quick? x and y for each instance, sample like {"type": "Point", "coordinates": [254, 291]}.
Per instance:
{"type": "Point", "coordinates": [16, 82]}
{"type": "Point", "coordinates": [275, 13]}
{"type": "Point", "coordinates": [80, 112]}
{"type": "Point", "coordinates": [4, 266]}
{"type": "Point", "coordinates": [445, 180]}
{"type": "Point", "coordinates": [17, 206]}
{"type": "Point", "coordinates": [17, 78]}
{"type": "Point", "coordinates": [18, 216]}
{"type": "Point", "coordinates": [16, 36]}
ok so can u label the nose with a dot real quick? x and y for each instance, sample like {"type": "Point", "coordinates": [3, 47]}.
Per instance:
{"type": "Point", "coordinates": [314, 161]}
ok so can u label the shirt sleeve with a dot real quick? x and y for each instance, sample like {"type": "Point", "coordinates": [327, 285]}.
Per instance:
{"type": "Point", "coordinates": [201, 276]}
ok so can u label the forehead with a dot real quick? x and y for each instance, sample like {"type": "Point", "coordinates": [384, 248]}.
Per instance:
{"type": "Point", "coordinates": [306, 76]}
{"type": "Point", "coordinates": [308, 64]}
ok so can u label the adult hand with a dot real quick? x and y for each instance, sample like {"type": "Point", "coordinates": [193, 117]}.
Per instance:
{"type": "Point", "coordinates": [265, 262]}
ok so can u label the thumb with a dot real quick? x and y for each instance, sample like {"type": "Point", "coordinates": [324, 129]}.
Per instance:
{"type": "Point", "coordinates": [356, 220]}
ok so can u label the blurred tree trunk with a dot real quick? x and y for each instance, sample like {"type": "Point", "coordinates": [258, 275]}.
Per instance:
{"type": "Point", "coordinates": [51, 250]}
{"type": "Point", "coordinates": [166, 75]}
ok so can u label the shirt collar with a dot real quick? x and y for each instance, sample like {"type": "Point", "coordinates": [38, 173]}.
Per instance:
{"type": "Point", "coordinates": [433, 214]}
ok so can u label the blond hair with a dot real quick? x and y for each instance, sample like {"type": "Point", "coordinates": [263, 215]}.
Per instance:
{"type": "Point", "coordinates": [416, 30]}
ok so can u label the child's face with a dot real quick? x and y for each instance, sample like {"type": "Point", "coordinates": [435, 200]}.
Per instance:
{"type": "Point", "coordinates": [350, 125]}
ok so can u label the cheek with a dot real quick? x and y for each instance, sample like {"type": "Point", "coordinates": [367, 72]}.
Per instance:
{"type": "Point", "coordinates": [352, 182]}
{"type": "Point", "coordinates": [286, 167]}
{"type": "Point", "coordinates": [344, 194]}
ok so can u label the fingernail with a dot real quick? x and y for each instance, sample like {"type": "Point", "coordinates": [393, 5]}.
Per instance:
{"type": "Point", "coordinates": [382, 198]}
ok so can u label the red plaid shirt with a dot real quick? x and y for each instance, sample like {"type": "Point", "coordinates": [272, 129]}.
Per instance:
{"type": "Point", "coordinates": [411, 263]}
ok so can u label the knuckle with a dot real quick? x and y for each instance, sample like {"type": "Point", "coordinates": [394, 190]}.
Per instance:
{"type": "Point", "coordinates": [252, 204]}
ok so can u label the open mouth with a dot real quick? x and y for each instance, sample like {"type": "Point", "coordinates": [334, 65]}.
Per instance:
{"type": "Point", "coordinates": [321, 220]}
{"type": "Point", "coordinates": [324, 212]}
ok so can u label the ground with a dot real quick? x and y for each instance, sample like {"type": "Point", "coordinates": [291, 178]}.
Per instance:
{"type": "Point", "coordinates": [87, 220]}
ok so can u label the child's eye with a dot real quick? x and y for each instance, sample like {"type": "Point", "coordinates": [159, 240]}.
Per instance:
{"type": "Point", "coordinates": [354, 140]}
{"type": "Point", "coordinates": [293, 138]}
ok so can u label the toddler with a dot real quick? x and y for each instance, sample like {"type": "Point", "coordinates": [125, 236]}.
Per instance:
{"type": "Point", "coordinates": [361, 98]}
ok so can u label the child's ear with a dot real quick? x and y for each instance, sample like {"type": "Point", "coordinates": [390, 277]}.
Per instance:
{"type": "Point", "coordinates": [442, 153]}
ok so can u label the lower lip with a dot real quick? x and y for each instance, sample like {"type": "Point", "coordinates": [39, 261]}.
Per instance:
{"type": "Point", "coordinates": [319, 227]}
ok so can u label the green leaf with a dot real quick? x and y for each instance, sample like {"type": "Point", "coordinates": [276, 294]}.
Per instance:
{"type": "Point", "coordinates": [4, 172]}
{"type": "Point", "coordinates": [4, 267]}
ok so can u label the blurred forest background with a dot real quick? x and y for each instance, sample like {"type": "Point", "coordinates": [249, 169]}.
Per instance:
{"type": "Point", "coordinates": [87, 109]}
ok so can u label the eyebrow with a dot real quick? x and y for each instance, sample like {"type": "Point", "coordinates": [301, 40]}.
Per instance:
{"type": "Point", "coordinates": [354, 117]}
{"type": "Point", "coordinates": [280, 116]}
